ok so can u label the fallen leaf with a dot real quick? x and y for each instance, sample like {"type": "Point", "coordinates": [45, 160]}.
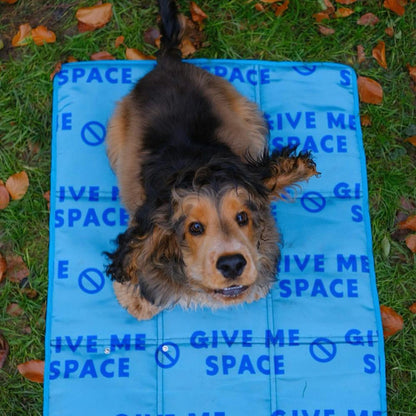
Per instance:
{"type": "Point", "coordinates": [8, 1]}
{"type": "Point", "coordinates": [30, 293]}
{"type": "Point", "coordinates": [71, 59]}
{"type": "Point", "coordinates": [411, 140]}
{"type": "Point", "coordinates": [379, 54]}
{"type": "Point", "coordinates": [197, 14]}
{"type": "Point", "coordinates": [22, 36]}
{"type": "Point", "coordinates": [365, 120]}
{"type": "Point", "coordinates": [389, 31]}
{"type": "Point", "coordinates": [412, 308]}
{"type": "Point", "coordinates": [151, 35]}
{"type": "Point", "coordinates": [57, 69]}
{"type": "Point", "coordinates": [187, 47]}
{"type": "Point", "coordinates": [344, 12]}
{"type": "Point", "coordinates": [408, 224]}
{"type": "Point", "coordinates": [368, 19]}
{"type": "Point", "coordinates": [279, 10]}
{"type": "Point", "coordinates": [119, 41]}
{"type": "Point", "coordinates": [270, 1]}
{"type": "Point", "coordinates": [370, 91]}
{"type": "Point", "coordinates": [411, 242]}
{"type": "Point", "coordinates": [94, 17]}
{"type": "Point", "coordinates": [13, 309]}
{"type": "Point", "coordinates": [102, 56]}
{"type": "Point", "coordinates": [41, 35]}
{"type": "Point", "coordinates": [395, 6]}
{"type": "Point", "coordinates": [3, 267]}
{"type": "Point", "coordinates": [326, 31]}
{"type": "Point", "coordinates": [33, 370]}
{"type": "Point", "coordinates": [345, 1]}
{"type": "Point", "coordinates": [83, 27]}
{"type": "Point", "coordinates": [4, 196]}
{"type": "Point", "coordinates": [328, 6]}
{"type": "Point", "coordinates": [17, 185]}
{"type": "Point", "coordinates": [133, 54]}
{"type": "Point", "coordinates": [16, 269]}
{"type": "Point", "coordinates": [319, 17]}
{"type": "Point", "coordinates": [412, 72]}
{"type": "Point", "coordinates": [392, 321]}
{"type": "Point", "coordinates": [259, 7]}
{"type": "Point", "coordinates": [4, 350]}
{"type": "Point", "coordinates": [360, 54]}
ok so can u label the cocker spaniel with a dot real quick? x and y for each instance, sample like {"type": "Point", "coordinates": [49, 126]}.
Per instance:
{"type": "Point", "coordinates": [196, 175]}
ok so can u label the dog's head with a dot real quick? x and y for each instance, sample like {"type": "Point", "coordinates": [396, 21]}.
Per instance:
{"type": "Point", "coordinates": [212, 234]}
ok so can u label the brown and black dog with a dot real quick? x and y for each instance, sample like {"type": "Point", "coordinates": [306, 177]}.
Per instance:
{"type": "Point", "coordinates": [195, 173]}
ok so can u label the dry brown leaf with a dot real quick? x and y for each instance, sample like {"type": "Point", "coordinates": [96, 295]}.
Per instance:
{"type": "Point", "coordinates": [360, 54]}
{"type": "Point", "coordinates": [13, 309]}
{"type": "Point", "coordinates": [412, 308]}
{"type": "Point", "coordinates": [187, 47]}
{"type": "Point", "coordinates": [344, 12]}
{"type": "Point", "coordinates": [58, 67]}
{"type": "Point", "coordinates": [32, 370]}
{"type": "Point", "coordinates": [133, 54]}
{"type": "Point", "coordinates": [94, 17]}
{"type": "Point", "coordinates": [326, 31]}
{"type": "Point", "coordinates": [412, 72]}
{"type": "Point", "coordinates": [259, 7]}
{"type": "Point", "coordinates": [17, 185]}
{"type": "Point", "coordinates": [389, 31]}
{"type": "Point", "coordinates": [329, 7]}
{"type": "Point", "coordinates": [365, 120]}
{"type": "Point", "coordinates": [16, 269]}
{"type": "Point", "coordinates": [22, 36]}
{"type": "Point", "coordinates": [152, 35]}
{"type": "Point", "coordinates": [119, 41]}
{"type": "Point", "coordinates": [379, 54]}
{"type": "Point", "coordinates": [370, 91]}
{"type": "Point", "coordinates": [3, 267]}
{"type": "Point", "coordinates": [102, 56]}
{"type": "Point", "coordinates": [197, 14]}
{"type": "Point", "coordinates": [408, 224]}
{"type": "Point", "coordinates": [411, 140]}
{"type": "Point", "coordinates": [4, 350]}
{"type": "Point", "coordinates": [392, 321]}
{"type": "Point", "coordinates": [345, 1]}
{"type": "Point", "coordinates": [320, 16]}
{"type": "Point", "coordinates": [71, 59]}
{"type": "Point", "coordinates": [41, 35]}
{"type": "Point", "coordinates": [30, 293]}
{"type": "Point", "coordinates": [368, 19]}
{"type": "Point", "coordinates": [4, 196]}
{"type": "Point", "coordinates": [279, 10]}
{"type": "Point", "coordinates": [411, 242]}
{"type": "Point", "coordinates": [395, 6]}
{"type": "Point", "coordinates": [8, 1]}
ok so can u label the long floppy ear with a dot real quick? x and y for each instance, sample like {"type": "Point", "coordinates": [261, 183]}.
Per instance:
{"type": "Point", "coordinates": [149, 257]}
{"type": "Point", "coordinates": [284, 169]}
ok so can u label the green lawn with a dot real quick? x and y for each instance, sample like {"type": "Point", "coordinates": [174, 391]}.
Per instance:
{"type": "Point", "coordinates": [234, 29]}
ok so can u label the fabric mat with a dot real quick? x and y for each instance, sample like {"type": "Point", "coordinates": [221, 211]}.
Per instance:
{"type": "Point", "coordinates": [313, 347]}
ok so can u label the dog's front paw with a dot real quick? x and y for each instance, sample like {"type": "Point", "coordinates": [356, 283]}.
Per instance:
{"type": "Point", "coordinates": [130, 298]}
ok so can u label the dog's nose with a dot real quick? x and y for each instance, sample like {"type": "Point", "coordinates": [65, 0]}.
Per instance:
{"type": "Point", "coordinates": [231, 266]}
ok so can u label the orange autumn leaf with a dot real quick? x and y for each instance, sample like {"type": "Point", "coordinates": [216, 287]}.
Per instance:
{"type": "Point", "coordinates": [17, 185]}
{"type": "Point", "coordinates": [197, 14]}
{"type": "Point", "coordinates": [360, 54]}
{"type": "Point", "coordinates": [279, 10]}
{"type": "Point", "coordinates": [16, 269]}
{"type": "Point", "coordinates": [4, 350]}
{"type": "Point", "coordinates": [119, 41]}
{"type": "Point", "coordinates": [22, 36]}
{"type": "Point", "coordinates": [411, 242]}
{"type": "Point", "coordinates": [41, 35]}
{"type": "Point", "coordinates": [392, 321]}
{"type": "Point", "coordinates": [369, 91]}
{"type": "Point", "coordinates": [379, 54]}
{"type": "Point", "coordinates": [412, 308]}
{"type": "Point", "coordinates": [408, 224]}
{"type": "Point", "coordinates": [8, 1]}
{"type": "Point", "coordinates": [33, 370]}
{"type": "Point", "coordinates": [368, 19]}
{"type": "Point", "coordinates": [133, 54]}
{"type": "Point", "coordinates": [3, 267]}
{"type": "Point", "coordinates": [102, 56]}
{"type": "Point", "coordinates": [344, 12]}
{"type": "Point", "coordinates": [395, 6]}
{"type": "Point", "coordinates": [345, 1]}
{"type": "Point", "coordinates": [411, 140]}
{"type": "Point", "coordinates": [259, 7]}
{"type": "Point", "coordinates": [94, 17]}
{"type": "Point", "coordinates": [72, 59]}
{"type": "Point", "coordinates": [326, 31]}
{"type": "Point", "coordinates": [389, 31]}
{"type": "Point", "coordinates": [329, 7]}
{"type": "Point", "coordinates": [57, 69]}
{"type": "Point", "coordinates": [365, 120]}
{"type": "Point", "coordinates": [4, 196]}
{"type": "Point", "coordinates": [412, 72]}
{"type": "Point", "coordinates": [320, 16]}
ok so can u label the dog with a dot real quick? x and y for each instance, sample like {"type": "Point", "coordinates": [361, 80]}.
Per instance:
{"type": "Point", "coordinates": [197, 178]}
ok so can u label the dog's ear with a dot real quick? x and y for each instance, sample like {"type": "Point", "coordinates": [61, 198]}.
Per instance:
{"type": "Point", "coordinates": [149, 256]}
{"type": "Point", "coordinates": [284, 169]}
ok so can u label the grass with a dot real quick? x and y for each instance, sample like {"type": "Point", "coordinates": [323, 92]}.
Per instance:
{"type": "Point", "coordinates": [234, 30]}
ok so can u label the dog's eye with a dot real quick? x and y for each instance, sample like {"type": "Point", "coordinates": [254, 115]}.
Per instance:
{"type": "Point", "coordinates": [196, 228]}
{"type": "Point", "coordinates": [242, 218]}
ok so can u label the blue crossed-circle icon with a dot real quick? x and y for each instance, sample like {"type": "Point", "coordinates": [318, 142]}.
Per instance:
{"type": "Point", "coordinates": [167, 355]}
{"type": "Point", "coordinates": [91, 280]}
{"type": "Point", "coordinates": [313, 201]}
{"type": "Point", "coordinates": [93, 133]}
{"type": "Point", "coordinates": [323, 350]}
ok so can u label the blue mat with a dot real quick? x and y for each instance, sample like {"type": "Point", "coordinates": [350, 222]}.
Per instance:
{"type": "Point", "coordinates": [313, 347]}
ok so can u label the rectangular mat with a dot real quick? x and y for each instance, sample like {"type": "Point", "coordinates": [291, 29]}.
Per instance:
{"type": "Point", "coordinates": [313, 347]}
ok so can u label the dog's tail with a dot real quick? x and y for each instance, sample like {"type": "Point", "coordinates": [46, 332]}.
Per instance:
{"type": "Point", "coordinates": [170, 29]}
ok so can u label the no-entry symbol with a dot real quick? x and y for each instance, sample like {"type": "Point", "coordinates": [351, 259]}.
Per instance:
{"type": "Point", "coordinates": [93, 133]}
{"type": "Point", "coordinates": [313, 202]}
{"type": "Point", "coordinates": [91, 281]}
{"type": "Point", "coordinates": [323, 350]}
{"type": "Point", "coordinates": [167, 355]}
